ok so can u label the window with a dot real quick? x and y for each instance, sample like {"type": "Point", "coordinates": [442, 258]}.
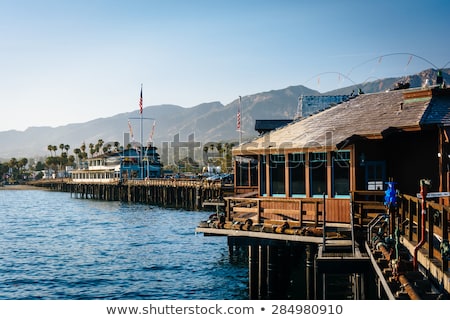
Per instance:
{"type": "Point", "coordinates": [246, 171]}
{"type": "Point", "coordinates": [318, 173]}
{"type": "Point", "coordinates": [242, 173]}
{"type": "Point", "coordinates": [341, 174]}
{"type": "Point", "coordinates": [375, 175]}
{"type": "Point", "coordinates": [277, 174]}
{"type": "Point", "coordinates": [262, 176]}
{"type": "Point", "coordinates": [297, 174]}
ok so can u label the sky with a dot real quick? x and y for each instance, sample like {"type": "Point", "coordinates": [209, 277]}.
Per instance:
{"type": "Point", "coordinates": [67, 62]}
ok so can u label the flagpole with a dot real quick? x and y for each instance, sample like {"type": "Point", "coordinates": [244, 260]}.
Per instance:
{"type": "Point", "coordinates": [142, 146]}
{"type": "Point", "coordinates": [239, 119]}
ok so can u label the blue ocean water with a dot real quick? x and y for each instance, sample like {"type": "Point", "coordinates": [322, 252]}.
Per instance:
{"type": "Point", "coordinates": [53, 246]}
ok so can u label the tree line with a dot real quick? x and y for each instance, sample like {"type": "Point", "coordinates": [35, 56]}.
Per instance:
{"type": "Point", "coordinates": [19, 170]}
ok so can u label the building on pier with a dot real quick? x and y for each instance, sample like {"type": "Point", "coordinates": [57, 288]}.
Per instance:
{"type": "Point", "coordinates": [120, 166]}
{"type": "Point", "coordinates": [327, 175]}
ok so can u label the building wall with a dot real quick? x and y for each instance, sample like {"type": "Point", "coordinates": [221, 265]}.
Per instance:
{"type": "Point", "coordinates": [408, 157]}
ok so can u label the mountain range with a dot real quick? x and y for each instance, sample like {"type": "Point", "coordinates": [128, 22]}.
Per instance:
{"type": "Point", "coordinates": [207, 122]}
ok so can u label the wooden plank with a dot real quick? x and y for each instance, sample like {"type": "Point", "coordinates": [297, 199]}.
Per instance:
{"type": "Point", "coordinates": [245, 210]}
{"type": "Point", "coordinates": [281, 211]}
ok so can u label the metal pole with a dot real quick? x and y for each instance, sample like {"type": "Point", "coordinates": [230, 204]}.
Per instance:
{"type": "Point", "coordinates": [141, 166]}
{"type": "Point", "coordinates": [424, 184]}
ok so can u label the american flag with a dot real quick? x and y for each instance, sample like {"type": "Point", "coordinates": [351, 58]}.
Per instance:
{"type": "Point", "coordinates": [140, 102]}
{"type": "Point", "coordinates": [238, 117]}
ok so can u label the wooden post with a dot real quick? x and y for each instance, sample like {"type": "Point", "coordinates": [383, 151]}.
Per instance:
{"type": "Point", "coordinates": [262, 272]}
{"type": "Point", "coordinates": [253, 278]}
{"type": "Point", "coordinates": [430, 232]}
{"type": "Point", "coordinates": [444, 227]}
{"type": "Point", "coordinates": [271, 271]}
{"type": "Point", "coordinates": [310, 253]}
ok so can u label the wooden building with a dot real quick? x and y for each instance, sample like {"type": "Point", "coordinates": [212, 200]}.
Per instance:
{"type": "Point", "coordinates": [358, 144]}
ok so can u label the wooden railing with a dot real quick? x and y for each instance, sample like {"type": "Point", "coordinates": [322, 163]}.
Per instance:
{"type": "Point", "coordinates": [363, 205]}
{"type": "Point", "coordinates": [436, 226]}
{"type": "Point", "coordinates": [296, 211]}
{"type": "Point", "coordinates": [407, 216]}
{"type": "Point", "coordinates": [180, 182]}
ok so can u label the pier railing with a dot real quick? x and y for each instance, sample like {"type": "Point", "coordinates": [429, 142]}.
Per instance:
{"type": "Point", "coordinates": [436, 242]}
{"type": "Point", "coordinates": [298, 212]}
{"type": "Point", "coordinates": [180, 182]}
{"type": "Point", "coordinates": [363, 206]}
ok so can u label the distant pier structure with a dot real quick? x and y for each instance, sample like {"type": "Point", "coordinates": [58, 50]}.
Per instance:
{"type": "Point", "coordinates": [189, 194]}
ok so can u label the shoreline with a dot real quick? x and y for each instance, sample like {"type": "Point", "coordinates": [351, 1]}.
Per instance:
{"type": "Point", "coordinates": [20, 187]}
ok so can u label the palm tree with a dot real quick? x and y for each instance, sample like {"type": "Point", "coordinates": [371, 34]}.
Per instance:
{"type": "Point", "coordinates": [61, 146]}
{"type": "Point", "coordinates": [50, 148]}
{"type": "Point", "coordinates": [219, 148]}
{"type": "Point", "coordinates": [99, 145]}
{"type": "Point", "coordinates": [83, 147]}
{"type": "Point", "coordinates": [71, 160]}
{"type": "Point", "coordinates": [77, 152]}
{"type": "Point", "coordinates": [91, 149]}
{"type": "Point", "coordinates": [66, 147]}
{"type": "Point", "coordinates": [12, 164]}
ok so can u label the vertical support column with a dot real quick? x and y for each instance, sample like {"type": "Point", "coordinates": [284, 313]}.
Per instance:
{"type": "Point", "coordinates": [228, 209]}
{"type": "Point", "coordinates": [272, 253]}
{"type": "Point", "coordinates": [310, 253]}
{"type": "Point", "coordinates": [262, 271]}
{"type": "Point", "coordinates": [253, 279]}
{"type": "Point", "coordinates": [230, 246]}
{"type": "Point", "coordinates": [430, 234]}
{"type": "Point", "coordinates": [444, 226]}
{"type": "Point", "coordinates": [197, 198]}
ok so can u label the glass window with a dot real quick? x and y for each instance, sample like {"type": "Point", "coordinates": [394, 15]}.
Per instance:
{"type": "Point", "coordinates": [341, 174]}
{"type": "Point", "coordinates": [318, 173]}
{"type": "Point", "coordinates": [277, 174]}
{"type": "Point", "coordinates": [254, 173]}
{"type": "Point", "coordinates": [297, 174]}
{"type": "Point", "coordinates": [242, 173]}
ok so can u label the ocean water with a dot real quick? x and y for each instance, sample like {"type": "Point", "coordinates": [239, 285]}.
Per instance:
{"type": "Point", "coordinates": [53, 246]}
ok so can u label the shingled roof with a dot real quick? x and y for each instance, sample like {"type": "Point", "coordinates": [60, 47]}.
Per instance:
{"type": "Point", "coordinates": [263, 126]}
{"type": "Point", "coordinates": [367, 115]}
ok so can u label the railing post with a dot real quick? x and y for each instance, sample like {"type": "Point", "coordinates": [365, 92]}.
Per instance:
{"type": "Point", "coordinates": [324, 217]}
{"type": "Point", "coordinates": [258, 206]}
{"type": "Point", "coordinates": [444, 227]}
{"type": "Point", "coordinates": [430, 231]}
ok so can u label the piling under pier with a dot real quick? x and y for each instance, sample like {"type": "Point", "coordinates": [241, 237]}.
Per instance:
{"type": "Point", "coordinates": [286, 266]}
{"type": "Point", "coordinates": [178, 193]}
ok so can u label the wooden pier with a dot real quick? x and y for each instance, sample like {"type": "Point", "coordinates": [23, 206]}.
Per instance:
{"type": "Point", "coordinates": [295, 247]}
{"type": "Point", "coordinates": [373, 253]}
{"type": "Point", "coordinates": [189, 194]}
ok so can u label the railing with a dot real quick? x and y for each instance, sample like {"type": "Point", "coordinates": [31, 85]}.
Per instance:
{"type": "Point", "coordinates": [179, 182]}
{"type": "Point", "coordinates": [368, 205]}
{"type": "Point", "coordinates": [365, 207]}
{"type": "Point", "coordinates": [436, 227]}
{"type": "Point", "coordinates": [298, 212]}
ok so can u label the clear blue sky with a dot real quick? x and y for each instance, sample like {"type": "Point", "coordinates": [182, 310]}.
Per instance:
{"type": "Point", "coordinates": [73, 61]}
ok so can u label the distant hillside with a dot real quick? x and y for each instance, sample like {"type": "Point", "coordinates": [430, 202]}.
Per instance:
{"type": "Point", "coordinates": [209, 122]}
